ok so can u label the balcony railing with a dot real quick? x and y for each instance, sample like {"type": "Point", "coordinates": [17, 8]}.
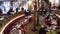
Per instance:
{"type": "Point", "coordinates": [8, 17]}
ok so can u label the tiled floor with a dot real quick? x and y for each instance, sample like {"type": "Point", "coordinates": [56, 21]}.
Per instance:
{"type": "Point", "coordinates": [29, 27]}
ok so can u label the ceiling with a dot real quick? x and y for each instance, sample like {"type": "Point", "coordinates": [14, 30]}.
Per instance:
{"type": "Point", "coordinates": [14, 0]}
{"type": "Point", "coordinates": [8, 0]}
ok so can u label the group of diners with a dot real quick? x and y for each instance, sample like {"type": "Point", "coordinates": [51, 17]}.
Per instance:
{"type": "Point", "coordinates": [51, 25]}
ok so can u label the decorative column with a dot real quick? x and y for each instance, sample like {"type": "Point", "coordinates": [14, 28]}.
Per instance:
{"type": "Point", "coordinates": [34, 17]}
{"type": "Point", "coordinates": [38, 13]}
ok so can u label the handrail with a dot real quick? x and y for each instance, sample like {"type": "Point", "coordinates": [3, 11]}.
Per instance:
{"type": "Point", "coordinates": [9, 21]}
{"type": "Point", "coordinates": [18, 18]}
{"type": "Point", "coordinates": [9, 17]}
{"type": "Point", "coordinates": [58, 16]}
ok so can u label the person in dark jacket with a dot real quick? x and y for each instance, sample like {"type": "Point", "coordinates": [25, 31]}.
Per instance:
{"type": "Point", "coordinates": [9, 12]}
{"type": "Point", "coordinates": [48, 21]}
{"type": "Point", "coordinates": [26, 14]}
{"type": "Point", "coordinates": [0, 11]}
{"type": "Point", "coordinates": [16, 10]}
{"type": "Point", "coordinates": [42, 30]}
{"type": "Point", "coordinates": [29, 12]}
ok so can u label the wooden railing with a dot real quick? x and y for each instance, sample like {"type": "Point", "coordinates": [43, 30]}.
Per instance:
{"type": "Point", "coordinates": [9, 27]}
{"type": "Point", "coordinates": [9, 19]}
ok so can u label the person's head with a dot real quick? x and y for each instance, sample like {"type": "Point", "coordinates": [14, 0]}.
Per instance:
{"type": "Point", "coordinates": [0, 9]}
{"type": "Point", "coordinates": [22, 26]}
{"type": "Point", "coordinates": [22, 8]}
{"type": "Point", "coordinates": [48, 16]}
{"type": "Point", "coordinates": [19, 28]}
{"type": "Point", "coordinates": [17, 8]}
{"type": "Point", "coordinates": [54, 18]}
{"type": "Point", "coordinates": [11, 9]}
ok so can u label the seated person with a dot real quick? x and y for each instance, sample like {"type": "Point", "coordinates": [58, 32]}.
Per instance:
{"type": "Point", "coordinates": [42, 30]}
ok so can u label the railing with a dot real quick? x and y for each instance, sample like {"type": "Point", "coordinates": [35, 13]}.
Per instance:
{"type": "Point", "coordinates": [8, 18]}
{"type": "Point", "coordinates": [23, 20]}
